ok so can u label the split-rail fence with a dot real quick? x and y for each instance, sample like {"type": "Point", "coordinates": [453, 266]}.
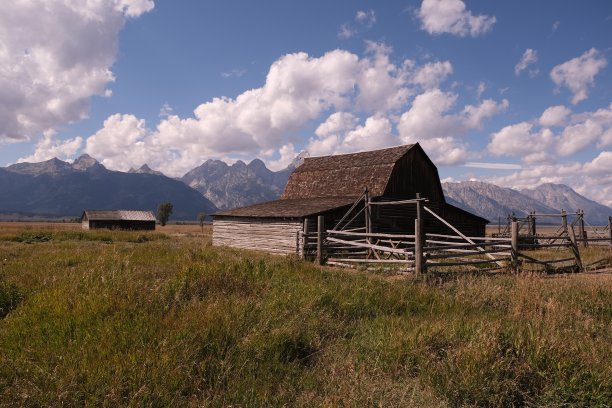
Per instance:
{"type": "Point", "coordinates": [509, 250]}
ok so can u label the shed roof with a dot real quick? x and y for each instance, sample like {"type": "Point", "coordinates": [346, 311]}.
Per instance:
{"type": "Point", "coordinates": [118, 215]}
{"type": "Point", "coordinates": [345, 174]}
{"type": "Point", "coordinates": [289, 208]}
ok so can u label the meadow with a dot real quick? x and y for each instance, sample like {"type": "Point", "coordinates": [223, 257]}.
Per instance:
{"type": "Point", "coordinates": [162, 318]}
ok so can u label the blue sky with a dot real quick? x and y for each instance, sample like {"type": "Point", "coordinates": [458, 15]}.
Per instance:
{"type": "Point", "coordinates": [516, 93]}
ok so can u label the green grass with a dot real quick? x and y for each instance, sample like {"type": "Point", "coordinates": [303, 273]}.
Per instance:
{"type": "Point", "coordinates": [108, 318]}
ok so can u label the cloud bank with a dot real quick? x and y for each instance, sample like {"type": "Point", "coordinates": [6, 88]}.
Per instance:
{"type": "Point", "coordinates": [49, 73]}
{"type": "Point", "coordinates": [360, 103]}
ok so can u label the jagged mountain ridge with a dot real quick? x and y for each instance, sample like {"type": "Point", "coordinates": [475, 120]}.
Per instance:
{"type": "Point", "coordinates": [145, 169]}
{"type": "Point", "coordinates": [492, 202]}
{"type": "Point", "coordinates": [239, 184]}
{"type": "Point", "coordinates": [57, 188]}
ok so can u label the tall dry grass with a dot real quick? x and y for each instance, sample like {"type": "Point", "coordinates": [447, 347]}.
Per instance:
{"type": "Point", "coordinates": [111, 318]}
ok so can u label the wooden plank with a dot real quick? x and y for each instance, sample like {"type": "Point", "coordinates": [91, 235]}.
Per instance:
{"type": "Point", "coordinates": [372, 235]}
{"type": "Point", "coordinates": [472, 238]}
{"type": "Point", "coordinates": [398, 202]}
{"type": "Point", "coordinates": [482, 261]}
{"type": "Point", "coordinates": [377, 261]}
{"type": "Point", "coordinates": [352, 208]}
{"type": "Point", "coordinates": [368, 246]}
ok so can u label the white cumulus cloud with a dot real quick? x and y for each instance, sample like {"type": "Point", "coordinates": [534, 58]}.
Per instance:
{"type": "Point", "coordinates": [554, 116]}
{"type": "Point", "coordinates": [529, 57]}
{"type": "Point", "coordinates": [578, 74]}
{"type": "Point", "coordinates": [577, 137]}
{"type": "Point", "coordinates": [452, 17]}
{"type": "Point", "coordinates": [122, 143]}
{"type": "Point", "coordinates": [382, 85]}
{"type": "Point", "coordinates": [534, 141]}
{"type": "Point", "coordinates": [520, 140]}
{"type": "Point", "coordinates": [432, 74]}
{"type": "Point", "coordinates": [431, 122]}
{"type": "Point", "coordinates": [54, 56]}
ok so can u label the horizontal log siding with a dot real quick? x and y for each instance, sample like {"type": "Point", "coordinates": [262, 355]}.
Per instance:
{"type": "Point", "coordinates": [275, 236]}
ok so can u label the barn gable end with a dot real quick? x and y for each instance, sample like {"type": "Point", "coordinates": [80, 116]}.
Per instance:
{"type": "Point", "coordinates": [414, 173]}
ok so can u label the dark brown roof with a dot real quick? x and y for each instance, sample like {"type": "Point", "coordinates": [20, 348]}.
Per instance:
{"type": "Point", "coordinates": [344, 175]}
{"type": "Point", "coordinates": [118, 215]}
{"type": "Point", "coordinates": [289, 208]}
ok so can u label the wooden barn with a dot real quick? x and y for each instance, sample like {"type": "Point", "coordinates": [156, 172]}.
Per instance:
{"type": "Point", "coordinates": [330, 185]}
{"type": "Point", "coordinates": [118, 219]}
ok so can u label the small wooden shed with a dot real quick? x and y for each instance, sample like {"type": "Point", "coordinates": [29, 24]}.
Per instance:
{"type": "Point", "coordinates": [118, 219]}
{"type": "Point", "coordinates": [329, 185]}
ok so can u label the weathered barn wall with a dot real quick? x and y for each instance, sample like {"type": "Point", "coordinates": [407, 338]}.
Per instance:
{"type": "Point", "coordinates": [127, 225]}
{"type": "Point", "coordinates": [399, 219]}
{"type": "Point", "coordinates": [276, 236]}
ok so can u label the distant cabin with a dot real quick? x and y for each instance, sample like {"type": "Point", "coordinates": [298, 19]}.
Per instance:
{"type": "Point", "coordinates": [329, 185]}
{"type": "Point", "coordinates": [118, 219]}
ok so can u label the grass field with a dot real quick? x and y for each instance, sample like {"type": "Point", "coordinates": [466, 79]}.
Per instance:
{"type": "Point", "coordinates": [165, 319]}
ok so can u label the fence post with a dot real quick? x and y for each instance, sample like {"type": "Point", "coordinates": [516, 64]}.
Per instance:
{"type": "Point", "coordinates": [419, 209]}
{"type": "Point", "coordinates": [581, 230]}
{"type": "Point", "coordinates": [564, 220]}
{"type": "Point", "coordinates": [574, 247]}
{"type": "Point", "coordinates": [367, 213]}
{"type": "Point", "coordinates": [514, 244]}
{"type": "Point", "coordinates": [610, 228]}
{"type": "Point", "coordinates": [418, 248]}
{"type": "Point", "coordinates": [304, 238]}
{"type": "Point", "coordinates": [320, 228]}
{"type": "Point", "coordinates": [368, 217]}
{"type": "Point", "coordinates": [529, 223]}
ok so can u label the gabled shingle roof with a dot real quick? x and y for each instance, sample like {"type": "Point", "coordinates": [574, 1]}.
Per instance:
{"type": "Point", "coordinates": [119, 215]}
{"type": "Point", "coordinates": [344, 175]}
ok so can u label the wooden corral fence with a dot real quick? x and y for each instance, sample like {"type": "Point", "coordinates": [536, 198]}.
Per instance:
{"type": "Point", "coordinates": [420, 252]}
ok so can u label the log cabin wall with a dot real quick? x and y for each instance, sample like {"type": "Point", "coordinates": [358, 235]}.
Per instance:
{"type": "Point", "coordinates": [271, 235]}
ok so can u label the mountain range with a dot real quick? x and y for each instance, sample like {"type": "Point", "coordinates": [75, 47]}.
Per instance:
{"type": "Point", "coordinates": [493, 202]}
{"type": "Point", "coordinates": [58, 188]}
{"type": "Point", "coordinates": [55, 188]}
